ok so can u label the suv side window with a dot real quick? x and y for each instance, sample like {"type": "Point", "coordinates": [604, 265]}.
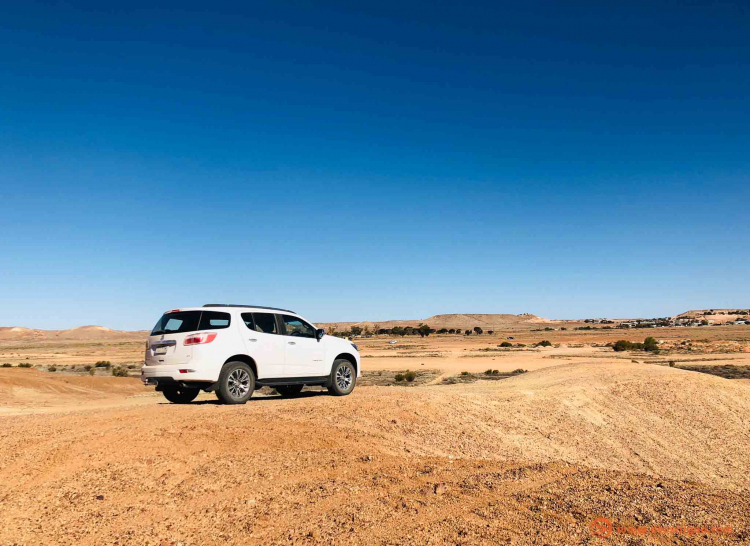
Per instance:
{"type": "Point", "coordinates": [297, 327]}
{"type": "Point", "coordinates": [264, 323]}
{"type": "Point", "coordinates": [214, 320]}
{"type": "Point", "coordinates": [247, 318]}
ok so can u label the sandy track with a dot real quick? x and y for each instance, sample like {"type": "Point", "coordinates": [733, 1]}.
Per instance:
{"type": "Point", "coordinates": [532, 459]}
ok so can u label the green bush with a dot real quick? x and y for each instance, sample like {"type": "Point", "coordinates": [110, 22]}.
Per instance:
{"type": "Point", "coordinates": [119, 371]}
{"type": "Point", "coordinates": [492, 372]}
{"type": "Point", "coordinates": [506, 344]}
{"type": "Point", "coordinates": [52, 368]}
{"type": "Point", "coordinates": [465, 373]}
{"type": "Point", "coordinates": [7, 365]}
{"type": "Point", "coordinates": [410, 376]}
{"type": "Point", "coordinates": [650, 344]}
{"type": "Point", "coordinates": [24, 365]}
{"type": "Point", "coordinates": [103, 364]}
{"type": "Point", "coordinates": [519, 370]}
{"type": "Point", "coordinates": [92, 371]}
{"type": "Point", "coordinates": [88, 367]}
{"type": "Point", "coordinates": [399, 377]}
{"type": "Point", "coordinates": [520, 345]}
{"type": "Point", "coordinates": [544, 343]}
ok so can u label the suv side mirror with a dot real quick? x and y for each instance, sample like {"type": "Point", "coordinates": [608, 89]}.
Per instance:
{"type": "Point", "coordinates": [319, 333]}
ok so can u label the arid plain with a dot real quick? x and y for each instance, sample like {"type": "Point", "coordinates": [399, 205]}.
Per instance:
{"type": "Point", "coordinates": [532, 453]}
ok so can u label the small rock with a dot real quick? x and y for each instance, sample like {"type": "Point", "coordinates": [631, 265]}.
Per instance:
{"type": "Point", "coordinates": [100, 497]}
{"type": "Point", "coordinates": [441, 489]}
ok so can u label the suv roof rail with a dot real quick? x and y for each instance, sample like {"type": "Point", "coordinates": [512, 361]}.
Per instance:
{"type": "Point", "coordinates": [254, 306]}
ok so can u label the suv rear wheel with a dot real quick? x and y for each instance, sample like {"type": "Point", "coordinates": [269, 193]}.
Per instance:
{"type": "Point", "coordinates": [236, 383]}
{"type": "Point", "coordinates": [343, 378]}
{"type": "Point", "coordinates": [180, 395]}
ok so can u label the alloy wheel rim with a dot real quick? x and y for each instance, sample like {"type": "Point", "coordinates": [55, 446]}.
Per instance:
{"type": "Point", "coordinates": [344, 378]}
{"type": "Point", "coordinates": [239, 383]}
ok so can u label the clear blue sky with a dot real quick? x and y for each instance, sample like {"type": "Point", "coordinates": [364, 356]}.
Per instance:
{"type": "Point", "coordinates": [355, 161]}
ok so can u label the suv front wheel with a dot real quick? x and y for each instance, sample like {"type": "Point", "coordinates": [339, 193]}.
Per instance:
{"type": "Point", "coordinates": [236, 383]}
{"type": "Point", "coordinates": [343, 378]}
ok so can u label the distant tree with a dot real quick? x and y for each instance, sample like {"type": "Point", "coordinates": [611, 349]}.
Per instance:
{"type": "Point", "coordinates": [356, 330]}
{"type": "Point", "coordinates": [443, 331]}
{"type": "Point", "coordinates": [478, 330]}
{"type": "Point", "coordinates": [704, 322]}
{"type": "Point", "coordinates": [467, 332]}
{"type": "Point", "coordinates": [544, 343]}
{"type": "Point", "coordinates": [506, 344]}
{"type": "Point", "coordinates": [452, 331]}
{"type": "Point", "coordinates": [408, 330]}
{"type": "Point", "coordinates": [424, 330]}
{"type": "Point", "coordinates": [490, 332]}
{"type": "Point", "coordinates": [398, 331]}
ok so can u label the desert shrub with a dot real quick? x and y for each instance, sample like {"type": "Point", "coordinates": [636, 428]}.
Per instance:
{"type": "Point", "coordinates": [24, 365]}
{"type": "Point", "coordinates": [103, 364]}
{"type": "Point", "coordinates": [625, 345]}
{"type": "Point", "coordinates": [452, 331]}
{"type": "Point", "coordinates": [132, 366]}
{"type": "Point", "coordinates": [506, 344]}
{"type": "Point", "coordinates": [119, 371]}
{"type": "Point", "coordinates": [518, 370]}
{"type": "Point", "coordinates": [490, 332]}
{"type": "Point", "coordinates": [92, 371]}
{"type": "Point", "coordinates": [520, 345]}
{"type": "Point", "coordinates": [7, 365]}
{"type": "Point", "coordinates": [671, 363]}
{"type": "Point", "coordinates": [465, 373]}
{"type": "Point", "coordinates": [478, 330]}
{"type": "Point", "coordinates": [467, 332]}
{"type": "Point", "coordinates": [87, 367]}
{"type": "Point", "coordinates": [544, 343]}
{"type": "Point", "coordinates": [650, 344]}
{"type": "Point", "coordinates": [399, 377]}
{"type": "Point", "coordinates": [410, 376]}
{"type": "Point", "coordinates": [492, 372]}
{"type": "Point", "coordinates": [52, 368]}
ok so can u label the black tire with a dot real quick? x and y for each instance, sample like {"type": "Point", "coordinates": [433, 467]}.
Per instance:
{"type": "Point", "coordinates": [180, 395]}
{"type": "Point", "coordinates": [236, 383]}
{"type": "Point", "coordinates": [343, 378]}
{"type": "Point", "coordinates": [289, 391]}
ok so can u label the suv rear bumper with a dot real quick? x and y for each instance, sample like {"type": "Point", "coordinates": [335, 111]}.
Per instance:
{"type": "Point", "coordinates": [151, 375]}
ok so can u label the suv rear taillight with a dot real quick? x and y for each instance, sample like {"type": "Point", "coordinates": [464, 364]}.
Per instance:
{"type": "Point", "coordinates": [199, 339]}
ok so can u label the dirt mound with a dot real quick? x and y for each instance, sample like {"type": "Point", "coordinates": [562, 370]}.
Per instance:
{"type": "Point", "coordinates": [29, 388]}
{"type": "Point", "coordinates": [466, 464]}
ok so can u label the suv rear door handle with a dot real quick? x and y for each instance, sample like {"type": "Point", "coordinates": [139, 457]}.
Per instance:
{"type": "Point", "coordinates": [252, 339]}
{"type": "Point", "coordinates": [292, 343]}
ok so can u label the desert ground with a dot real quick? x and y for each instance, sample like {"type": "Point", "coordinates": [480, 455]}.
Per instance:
{"type": "Point", "coordinates": [655, 443]}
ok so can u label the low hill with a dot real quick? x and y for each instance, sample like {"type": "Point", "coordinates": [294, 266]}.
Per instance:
{"type": "Point", "coordinates": [716, 315]}
{"type": "Point", "coordinates": [454, 320]}
{"type": "Point", "coordinates": [18, 333]}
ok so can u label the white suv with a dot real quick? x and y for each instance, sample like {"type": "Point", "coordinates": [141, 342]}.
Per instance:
{"type": "Point", "coordinates": [234, 349]}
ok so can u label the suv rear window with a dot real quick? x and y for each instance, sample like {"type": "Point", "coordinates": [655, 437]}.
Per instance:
{"type": "Point", "coordinates": [191, 321]}
{"type": "Point", "coordinates": [176, 323]}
